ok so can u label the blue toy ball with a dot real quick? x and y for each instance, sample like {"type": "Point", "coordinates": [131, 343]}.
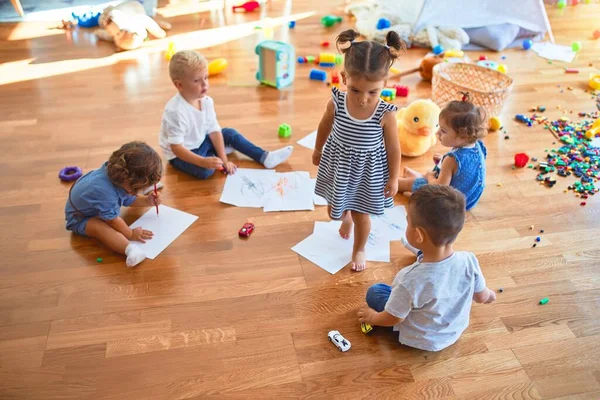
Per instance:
{"type": "Point", "coordinates": [437, 50]}
{"type": "Point", "coordinates": [383, 23]}
{"type": "Point", "coordinates": [88, 19]}
{"type": "Point", "coordinates": [527, 43]}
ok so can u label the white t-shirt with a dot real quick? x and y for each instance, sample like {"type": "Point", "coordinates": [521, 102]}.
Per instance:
{"type": "Point", "coordinates": [184, 124]}
{"type": "Point", "coordinates": [435, 300]}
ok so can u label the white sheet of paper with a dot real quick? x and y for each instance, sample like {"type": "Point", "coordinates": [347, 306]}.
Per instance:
{"type": "Point", "coordinates": [553, 51]}
{"type": "Point", "coordinates": [247, 187]}
{"type": "Point", "coordinates": [323, 252]}
{"type": "Point", "coordinates": [377, 249]}
{"type": "Point", "coordinates": [289, 191]}
{"type": "Point", "coordinates": [595, 142]}
{"type": "Point", "coordinates": [309, 140]}
{"type": "Point", "coordinates": [318, 200]}
{"type": "Point", "coordinates": [167, 226]}
{"type": "Point", "coordinates": [392, 224]}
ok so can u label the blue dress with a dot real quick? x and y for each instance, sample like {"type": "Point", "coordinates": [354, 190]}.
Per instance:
{"type": "Point", "coordinates": [469, 177]}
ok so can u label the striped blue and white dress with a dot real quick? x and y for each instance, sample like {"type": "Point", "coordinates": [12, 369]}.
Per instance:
{"type": "Point", "coordinates": [354, 169]}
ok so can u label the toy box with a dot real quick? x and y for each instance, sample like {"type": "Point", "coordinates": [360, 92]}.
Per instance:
{"type": "Point", "coordinates": [276, 63]}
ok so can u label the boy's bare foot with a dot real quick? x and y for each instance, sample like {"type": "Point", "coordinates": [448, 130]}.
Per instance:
{"type": "Point", "coordinates": [347, 225]}
{"type": "Point", "coordinates": [359, 261]}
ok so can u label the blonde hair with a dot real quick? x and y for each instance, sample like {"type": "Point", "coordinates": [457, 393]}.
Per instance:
{"type": "Point", "coordinates": [185, 58]}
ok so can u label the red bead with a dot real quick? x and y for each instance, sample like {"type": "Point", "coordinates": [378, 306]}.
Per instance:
{"type": "Point", "coordinates": [583, 203]}
{"type": "Point", "coordinates": [325, 44]}
{"type": "Point", "coordinates": [482, 58]}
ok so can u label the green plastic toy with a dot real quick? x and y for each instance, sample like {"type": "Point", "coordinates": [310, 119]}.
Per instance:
{"type": "Point", "coordinates": [285, 131]}
{"type": "Point", "coordinates": [330, 20]}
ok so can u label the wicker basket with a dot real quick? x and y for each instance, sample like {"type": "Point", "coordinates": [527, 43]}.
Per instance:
{"type": "Point", "coordinates": [487, 88]}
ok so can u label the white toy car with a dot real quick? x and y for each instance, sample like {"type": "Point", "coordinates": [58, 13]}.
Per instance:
{"type": "Point", "coordinates": [340, 342]}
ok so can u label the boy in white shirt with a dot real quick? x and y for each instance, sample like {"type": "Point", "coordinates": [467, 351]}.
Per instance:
{"type": "Point", "coordinates": [430, 301]}
{"type": "Point", "coordinates": [189, 118]}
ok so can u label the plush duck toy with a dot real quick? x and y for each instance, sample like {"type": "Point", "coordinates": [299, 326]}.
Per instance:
{"type": "Point", "coordinates": [417, 125]}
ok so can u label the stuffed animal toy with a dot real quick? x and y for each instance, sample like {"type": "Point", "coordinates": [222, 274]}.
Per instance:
{"type": "Point", "coordinates": [417, 126]}
{"type": "Point", "coordinates": [447, 37]}
{"type": "Point", "coordinates": [127, 25]}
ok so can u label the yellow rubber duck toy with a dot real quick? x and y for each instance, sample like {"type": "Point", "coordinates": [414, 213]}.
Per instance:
{"type": "Point", "coordinates": [417, 125]}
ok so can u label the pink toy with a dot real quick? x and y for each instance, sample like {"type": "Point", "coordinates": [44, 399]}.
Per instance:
{"type": "Point", "coordinates": [248, 6]}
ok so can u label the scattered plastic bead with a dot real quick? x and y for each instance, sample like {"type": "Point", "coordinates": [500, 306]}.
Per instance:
{"type": "Point", "coordinates": [501, 290]}
{"type": "Point", "coordinates": [543, 301]}
{"type": "Point", "coordinates": [538, 239]}
{"type": "Point", "coordinates": [576, 46]}
{"type": "Point", "coordinates": [99, 259]}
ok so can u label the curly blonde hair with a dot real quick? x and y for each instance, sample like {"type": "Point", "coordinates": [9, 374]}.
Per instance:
{"type": "Point", "coordinates": [185, 58]}
{"type": "Point", "coordinates": [135, 164]}
{"type": "Point", "coordinates": [466, 119]}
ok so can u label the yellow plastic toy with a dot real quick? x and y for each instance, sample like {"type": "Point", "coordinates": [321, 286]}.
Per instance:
{"type": "Point", "coordinates": [170, 51]}
{"type": "Point", "coordinates": [495, 123]}
{"type": "Point", "coordinates": [417, 125]}
{"type": "Point", "coordinates": [593, 131]}
{"type": "Point", "coordinates": [217, 66]}
{"type": "Point", "coordinates": [594, 81]}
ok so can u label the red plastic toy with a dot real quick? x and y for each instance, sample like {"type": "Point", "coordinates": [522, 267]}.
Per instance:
{"type": "Point", "coordinates": [246, 230]}
{"type": "Point", "coordinates": [401, 91]}
{"type": "Point", "coordinates": [248, 6]}
{"type": "Point", "coordinates": [325, 44]}
{"type": "Point", "coordinates": [521, 160]}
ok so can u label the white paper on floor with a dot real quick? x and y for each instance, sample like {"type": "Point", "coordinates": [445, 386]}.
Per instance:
{"type": "Point", "coordinates": [325, 248]}
{"type": "Point", "coordinates": [290, 191]}
{"type": "Point", "coordinates": [318, 200]}
{"type": "Point", "coordinates": [247, 187]}
{"type": "Point", "coordinates": [309, 140]}
{"type": "Point", "coordinates": [274, 191]}
{"type": "Point", "coordinates": [553, 51]}
{"type": "Point", "coordinates": [167, 226]}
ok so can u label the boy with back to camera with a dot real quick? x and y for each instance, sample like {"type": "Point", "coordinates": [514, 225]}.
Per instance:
{"type": "Point", "coordinates": [430, 301]}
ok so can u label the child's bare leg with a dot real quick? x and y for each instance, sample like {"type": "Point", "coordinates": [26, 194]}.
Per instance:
{"type": "Point", "coordinates": [362, 228]}
{"type": "Point", "coordinates": [347, 223]}
{"type": "Point", "coordinates": [405, 184]}
{"type": "Point", "coordinates": [411, 173]}
{"type": "Point", "coordinates": [115, 241]}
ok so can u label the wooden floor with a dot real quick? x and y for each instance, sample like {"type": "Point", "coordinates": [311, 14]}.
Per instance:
{"type": "Point", "coordinates": [217, 317]}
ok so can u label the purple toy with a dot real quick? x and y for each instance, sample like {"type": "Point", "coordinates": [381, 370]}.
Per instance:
{"type": "Point", "coordinates": [70, 174]}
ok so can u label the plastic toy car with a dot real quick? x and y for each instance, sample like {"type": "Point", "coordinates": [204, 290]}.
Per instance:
{"type": "Point", "coordinates": [340, 342]}
{"type": "Point", "coordinates": [246, 230]}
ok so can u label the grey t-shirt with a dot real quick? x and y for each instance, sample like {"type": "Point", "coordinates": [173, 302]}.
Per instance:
{"type": "Point", "coordinates": [435, 300]}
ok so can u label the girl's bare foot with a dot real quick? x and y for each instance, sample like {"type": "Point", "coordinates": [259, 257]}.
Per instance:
{"type": "Point", "coordinates": [347, 225]}
{"type": "Point", "coordinates": [359, 261]}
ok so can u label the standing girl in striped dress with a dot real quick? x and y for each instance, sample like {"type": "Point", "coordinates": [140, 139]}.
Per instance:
{"type": "Point", "coordinates": [357, 148]}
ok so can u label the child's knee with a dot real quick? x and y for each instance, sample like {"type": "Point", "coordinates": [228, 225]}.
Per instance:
{"type": "Point", "coordinates": [229, 134]}
{"type": "Point", "coordinates": [204, 173]}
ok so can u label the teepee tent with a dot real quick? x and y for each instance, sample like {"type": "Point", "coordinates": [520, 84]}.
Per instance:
{"type": "Point", "coordinates": [526, 14]}
{"type": "Point", "coordinates": [487, 23]}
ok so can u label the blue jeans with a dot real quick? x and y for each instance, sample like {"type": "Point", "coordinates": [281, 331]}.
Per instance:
{"type": "Point", "coordinates": [232, 138]}
{"type": "Point", "coordinates": [378, 295]}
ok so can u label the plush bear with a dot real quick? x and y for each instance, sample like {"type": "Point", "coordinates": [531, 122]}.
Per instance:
{"type": "Point", "coordinates": [127, 25]}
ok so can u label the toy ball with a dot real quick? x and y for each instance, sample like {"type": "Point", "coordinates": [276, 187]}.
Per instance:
{"type": "Point", "coordinates": [561, 4]}
{"type": "Point", "coordinates": [502, 68]}
{"type": "Point", "coordinates": [594, 81]}
{"type": "Point", "coordinates": [217, 66]}
{"type": "Point", "coordinates": [576, 46]}
{"type": "Point", "coordinates": [383, 23]}
{"type": "Point", "coordinates": [596, 34]}
{"type": "Point", "coordinates": [527, 43]}
{"type": "Point", "coordinates": [495, 123]}
{"type": "Point", "coordinates": [437, 50]}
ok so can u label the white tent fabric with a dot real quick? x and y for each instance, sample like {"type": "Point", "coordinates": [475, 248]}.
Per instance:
{"type": "Point", "coordinates": [528, 14]}
{"type": "Point", "coordinates": [410, 17]}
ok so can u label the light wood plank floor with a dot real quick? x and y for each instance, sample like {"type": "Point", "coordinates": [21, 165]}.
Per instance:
{"type": "Point", "coordinates": [218, 317]}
